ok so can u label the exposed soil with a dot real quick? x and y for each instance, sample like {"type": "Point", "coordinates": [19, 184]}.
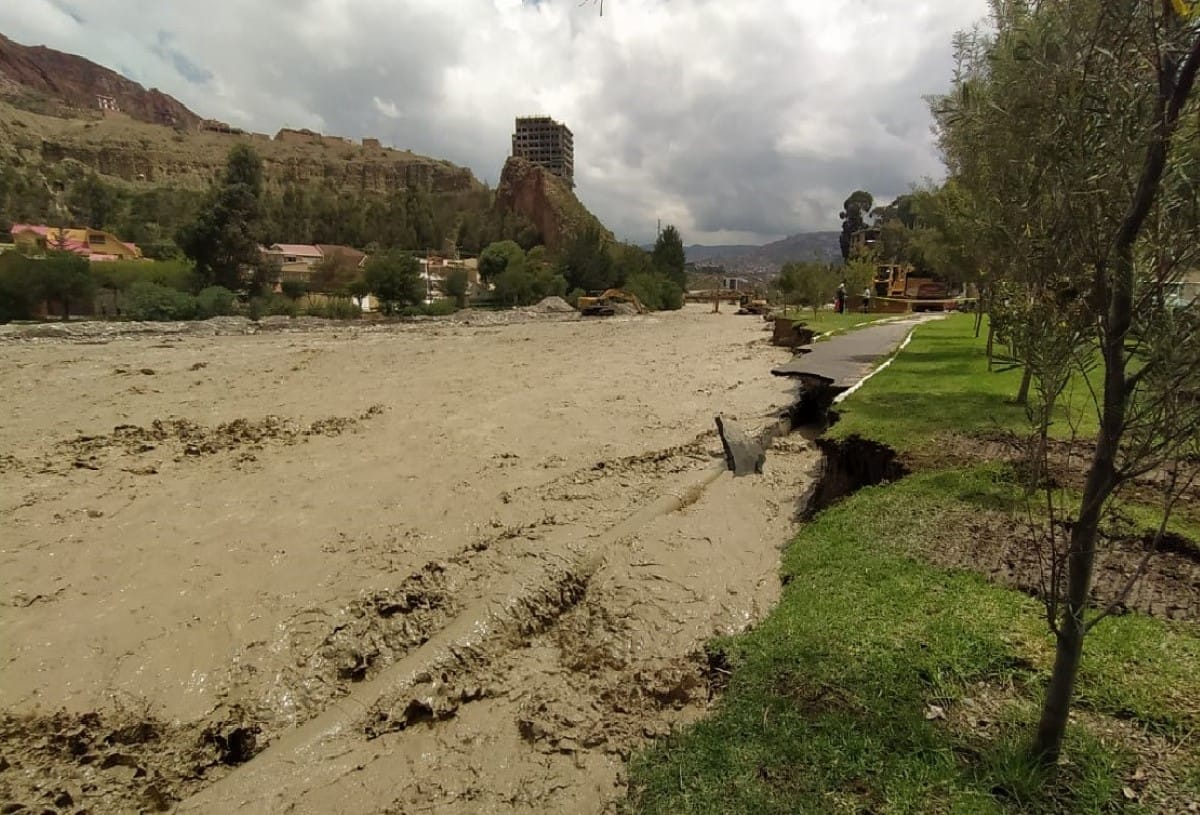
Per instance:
{"type": "Point", "coordinates": [1068, 462]}
{"type": "Point", "coordinates": [1010, 552]}
{"type": "Point", "coordinates": [263, 525]}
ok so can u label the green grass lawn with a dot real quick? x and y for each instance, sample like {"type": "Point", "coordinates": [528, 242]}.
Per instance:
{"type": "Point", "coordinates": [884, 684]}
{"type": "Point", "coordinates": [941, 384]}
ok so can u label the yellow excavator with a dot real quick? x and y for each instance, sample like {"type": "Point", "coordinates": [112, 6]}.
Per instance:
{"type": "Point", "coordinates": [604, 304]}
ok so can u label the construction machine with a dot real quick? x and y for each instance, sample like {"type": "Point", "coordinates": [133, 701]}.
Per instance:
{"type": "Point", "coordinates": [604, 304]}
{"type": "Point", "coordinates": [750, 305]}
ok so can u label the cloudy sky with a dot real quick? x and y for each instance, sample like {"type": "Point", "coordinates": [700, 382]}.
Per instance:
{"type": "Point", "coordinates": [737, 120]}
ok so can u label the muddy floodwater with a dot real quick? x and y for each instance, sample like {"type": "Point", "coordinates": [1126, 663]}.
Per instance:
{"type": "Point", "coordinates": [208, 542]}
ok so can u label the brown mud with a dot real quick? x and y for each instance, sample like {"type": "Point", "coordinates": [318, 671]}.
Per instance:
{"type": "Point", "coordinates": [206, 583]}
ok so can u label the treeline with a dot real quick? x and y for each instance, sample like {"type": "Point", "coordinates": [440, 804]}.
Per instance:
{"type": "Point", "coordinates": [413, 218]}
{"type": "Point", "coordinates": [222, 266]}
{"type": "Point", "coordinates": [589, 263]}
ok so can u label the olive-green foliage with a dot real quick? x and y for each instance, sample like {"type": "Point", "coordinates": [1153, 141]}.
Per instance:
{"type": "Point", "coordinates": [656, 291]}
{"type": "Point", "coordinates": [293, 289]}
{"type": "Point", "coordinates": [395, 278]}
{"type": "Point", "coordinates": [120, 275]}
{"type": "Point", "coordinates": [272, 305]}
{"type": "Point", "coordinates": [19, 292]}
{"type": "Point", "coordinates": [314, 212]}
{"type": "Point", "coordinates": [497, 257]}
{"type": "Point", "coordinates": [64, 278]}
{"type": "Point", "coordinates": [808, 284]}
{"type": "Point", "coordinates": [225, 236]}
{"type": "Point", "coordinates": [669, 257]}
{"type": "Point", "coordinates": [524, 282]}
{"type": "Point", "coordinates": [214, 301]}
{"type": "Point", "coordinates": [586, 263]}
{"type": "Point", "coordinates": [151, 301]}
{"type": "Point", "coordinates": [438, 308]}
{"type": "Point", "coordinates": [456, 285]}
{"type": "Point", "coordinates": [334, 308]}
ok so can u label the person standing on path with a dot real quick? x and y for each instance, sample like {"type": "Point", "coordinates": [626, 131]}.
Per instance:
{"type": "Point", "coordinates": [839, 300]}
{"type": "Point", "coordinates": [867, 300]}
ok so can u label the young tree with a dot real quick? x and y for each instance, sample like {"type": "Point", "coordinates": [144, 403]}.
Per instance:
{"type": "Point", "coordinates": [456, 286]}
{"type": "Point", "coordinates": [1063, 129]}
{"type": "Point", "coordinates": [811, 284]}
{"type": "Point", "coordinates": [395, 278]}
{"type": "Point", "coordinates": [787, 283]}
{"type": "Point", "coordinates": [587, 264]}
{"type": "Point", "coordinates": [224, 237]}
{"type": "Point", "coordinates": [497, 257]}
{"type": "Point", "coordinates": [669, 257]}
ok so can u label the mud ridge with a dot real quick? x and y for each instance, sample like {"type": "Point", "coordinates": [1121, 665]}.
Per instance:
{"type": "Point", "coordinates": [432, 683]}
{"type": "Point", "coordinates": [184, 439]}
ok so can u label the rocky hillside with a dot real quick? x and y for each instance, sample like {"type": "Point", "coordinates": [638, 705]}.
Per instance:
{"type": "Point", "coordinates": [49, 113]}
{"type": "Point", "coordinates": [122, 148]}
{"type": "Point", "coordinates": [43, 79]}
{"type": "Point", "coordinates": [547, 201]}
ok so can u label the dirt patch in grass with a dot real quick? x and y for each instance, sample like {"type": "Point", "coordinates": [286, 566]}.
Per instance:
{"type": "Point", "coordinates": [1010, 551]}
{"type": "Point", "coordinates": [1068, 461]}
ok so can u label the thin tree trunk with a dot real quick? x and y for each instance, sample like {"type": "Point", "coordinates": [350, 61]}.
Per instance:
{"type": "Point", "coordinates": [991, 340]}
{"type": "Point", "coordinates": [1023, 391]}
{"type": "Point", "coordinates": [1081, 559]}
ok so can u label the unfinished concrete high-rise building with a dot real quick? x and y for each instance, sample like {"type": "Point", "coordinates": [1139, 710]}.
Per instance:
{"type": "Point", "coordinates": [546, 143]}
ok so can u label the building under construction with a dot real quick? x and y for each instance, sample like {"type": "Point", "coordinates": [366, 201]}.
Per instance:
{"type": "Point", "coordinates": [546, 143]}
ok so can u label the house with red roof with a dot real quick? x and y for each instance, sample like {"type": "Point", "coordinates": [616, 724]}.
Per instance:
{"type": "Point", "coordinates": [94, 244]}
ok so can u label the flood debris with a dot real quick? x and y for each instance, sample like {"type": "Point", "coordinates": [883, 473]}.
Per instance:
{"type": "Point", "coordinates": [743, 455]}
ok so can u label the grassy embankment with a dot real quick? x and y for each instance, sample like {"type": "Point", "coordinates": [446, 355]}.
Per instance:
{"type": "Point", "coordinates": [884, 684]}
{"type": "Point", "coordinates": [826, 320]}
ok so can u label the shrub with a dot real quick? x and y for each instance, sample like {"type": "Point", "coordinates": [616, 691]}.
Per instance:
{"type": "Point", "coordinates": [440, 308]}
{"type": "Point", "coordinates": [274, 305]}
{"type": "Point", "coordinates": [672, 296]}
{"type": "Point", "coordinates": [150, 301]}
{"type": "Point", "coordinates": [215, 301]}
{"type": "Point", "coordinates": [333, 308]}
{"type": "Point", "coordinates": [19, 290]}
{"type": "Point", "coordinates": [656, 291]}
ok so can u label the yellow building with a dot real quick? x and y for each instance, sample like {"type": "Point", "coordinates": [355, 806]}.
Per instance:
{"type": "Point", "coordinates": [94, 244]}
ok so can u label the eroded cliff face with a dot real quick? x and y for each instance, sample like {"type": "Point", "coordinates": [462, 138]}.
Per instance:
{"type": "Point", "coordinates": [120, 147]}
{"type": "Point", "coordinates": [534, 193]}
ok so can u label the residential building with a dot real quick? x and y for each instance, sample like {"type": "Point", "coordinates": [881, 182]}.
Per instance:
{"type": "Point", "coordinates": [298, 261]}
{"type": "Point", "coordinates": [546, 143]}
{"type": "Point", "coordinates": [435, 269]}
{"type": "Point", "coordinates": [294, 261]}
{"type": "Point", "coordinates": [94, 244]}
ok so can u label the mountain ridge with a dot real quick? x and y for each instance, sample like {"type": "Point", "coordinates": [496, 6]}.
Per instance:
{"type": "Point", "coordinates": [821, 246]}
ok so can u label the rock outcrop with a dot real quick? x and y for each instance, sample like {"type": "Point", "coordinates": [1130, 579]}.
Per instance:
{"type": "Point", "coordinates": [68, 82]}
{"type": "Point", "coordinates": [545, 199]}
